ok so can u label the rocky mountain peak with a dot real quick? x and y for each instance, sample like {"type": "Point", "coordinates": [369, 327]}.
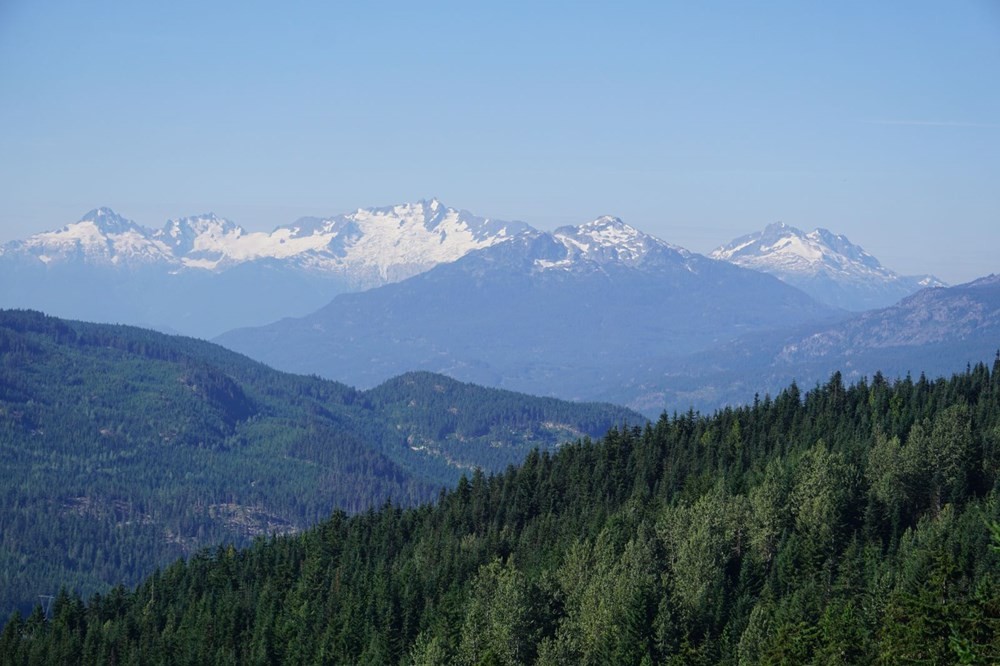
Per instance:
{"type": "Point", "coordinates": [826, 265]}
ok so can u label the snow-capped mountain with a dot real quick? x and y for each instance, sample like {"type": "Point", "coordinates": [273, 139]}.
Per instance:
{"type": "Point", "coordinates": [380, 245]}
{"type": "Point", "coordinates": [101, 237]}
{"type": "Point", "coordinates": [204, 274]}
{"type": "Point", "coordinates": [608, 240]}
{"type": "Point", "coordinates": [367, 247]}
{"type": "Point", "coordinates": [602, 245]}
{"type": "Point", "coordinates": [201, 241]}
{"type": "Point", "coordinates": [567, 313]}
{"type": "Point", "coordinates": [825, 265]}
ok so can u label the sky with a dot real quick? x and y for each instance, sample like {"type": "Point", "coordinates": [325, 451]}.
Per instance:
{"type": "Point", "coordinates": [696, 122]}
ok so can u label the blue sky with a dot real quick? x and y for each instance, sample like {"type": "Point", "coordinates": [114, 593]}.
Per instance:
{"type": "Point", "coordinates": [694, 121]}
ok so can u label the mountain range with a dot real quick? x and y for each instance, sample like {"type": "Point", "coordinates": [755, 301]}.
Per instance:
{"type": "Point", "coordinates": [567, 313]}
{"type": "Point", "coordinates": [367, 247]}
{"type": "Point", "coordinates": [825, 265]}
{"type": "Point", "coordinates": [203, 275]}
{"type": "Point", "coordinates": [124, 448]}
{"type": "Point", "coordinates": [927, 333]}
{"type": "Point", "coordinates": [574, 314]}
{"type": "Point", "coordinates": [594, 311]}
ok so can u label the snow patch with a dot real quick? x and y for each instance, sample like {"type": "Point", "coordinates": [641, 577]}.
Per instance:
{"type": "Point", "coordinates": [369, 246]}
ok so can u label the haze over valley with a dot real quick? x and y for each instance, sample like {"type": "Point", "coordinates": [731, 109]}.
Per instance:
{"type": "Point", "coordinates": [500, 333]}
{"type": "Point", "coordinates": [364, 296]}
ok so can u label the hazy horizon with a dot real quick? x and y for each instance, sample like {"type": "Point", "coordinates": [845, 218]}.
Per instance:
{"type": "Point", "coordinates": [696, 123]}
{"type": "Point", "coordinates": [269, 228]}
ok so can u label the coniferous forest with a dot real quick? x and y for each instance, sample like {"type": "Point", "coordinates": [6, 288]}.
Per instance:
{"type": "Point", "coordinates": [694, 362]}
{"type": "Point", "coordinates": [845, 524]}
{"type": "Point", "coordinates": [122, 449]}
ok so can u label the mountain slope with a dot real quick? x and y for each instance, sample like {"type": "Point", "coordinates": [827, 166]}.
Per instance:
{"type": "Point", "coordinates": [929, 332]}
{"type": "Point", "coordinates": [101, 237]}
{"type": "Point", "coordinates": [204, 274]}
{"type": "Point", "coordinates": [833, 527]}
{"type": "Point", "coordinates": [826, 266]}
{"type": "Point", "coordinates": [368, 247]}
{"type": "Point", "coordinates": [567, 313]}
{"type": "Point", "coordinates": [123, 449]}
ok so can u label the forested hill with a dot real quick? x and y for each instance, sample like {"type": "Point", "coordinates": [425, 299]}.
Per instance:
{"type": "Point", "coordinates": [123, 449]}
{"type": "Point", "coordinates": [847, 525]}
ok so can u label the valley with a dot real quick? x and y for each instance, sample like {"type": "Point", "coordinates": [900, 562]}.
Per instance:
{"type": "Point", "coordinates": [771, 439]}
{"type": "Point", "coordinates": [853, 523]}
{"type": "Point", "coordinates": [124, 449]}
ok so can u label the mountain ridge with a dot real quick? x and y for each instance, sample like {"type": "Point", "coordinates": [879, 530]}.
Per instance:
{"type": "Point", "coordinates": [203, 275]}
{"type": "Point", "coordinates": [929, 332]}
{"type": "Point", "coordinates": [827, 266]}
{"type": "Point", "coordinates": [853, 523]}
{"type": "Point", "coordinates": [557, 311]}
{"type": "Point", "coordinates": [369, 246]}
{"type": "Point", "coordinates": [128, 448]}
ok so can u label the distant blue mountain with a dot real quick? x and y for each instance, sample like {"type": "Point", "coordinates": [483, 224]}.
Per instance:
{"type": "Point", "coordinates": [825, 265]}
{"type": "Point", "coordinates": [572, 313]}
{"type": "Point", "coordinates": [933, 332]}
{"type": "Point", "coordinates": [203, 275]}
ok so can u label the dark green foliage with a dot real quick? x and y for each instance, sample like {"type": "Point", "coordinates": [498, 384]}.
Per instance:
{"type": "Point", "coordinates": [772, 534]}
{"type": "Point", "coordinates": [124, 449]}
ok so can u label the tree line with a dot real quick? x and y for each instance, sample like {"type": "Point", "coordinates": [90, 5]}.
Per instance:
{"type": "Point", "coordinates": [844, 524]}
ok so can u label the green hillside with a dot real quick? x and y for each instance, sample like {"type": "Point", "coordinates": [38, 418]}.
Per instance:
{"type": "Point", "coordinates": [122, 449]}
{"type": "Point", "coordinates": [847, 525]}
